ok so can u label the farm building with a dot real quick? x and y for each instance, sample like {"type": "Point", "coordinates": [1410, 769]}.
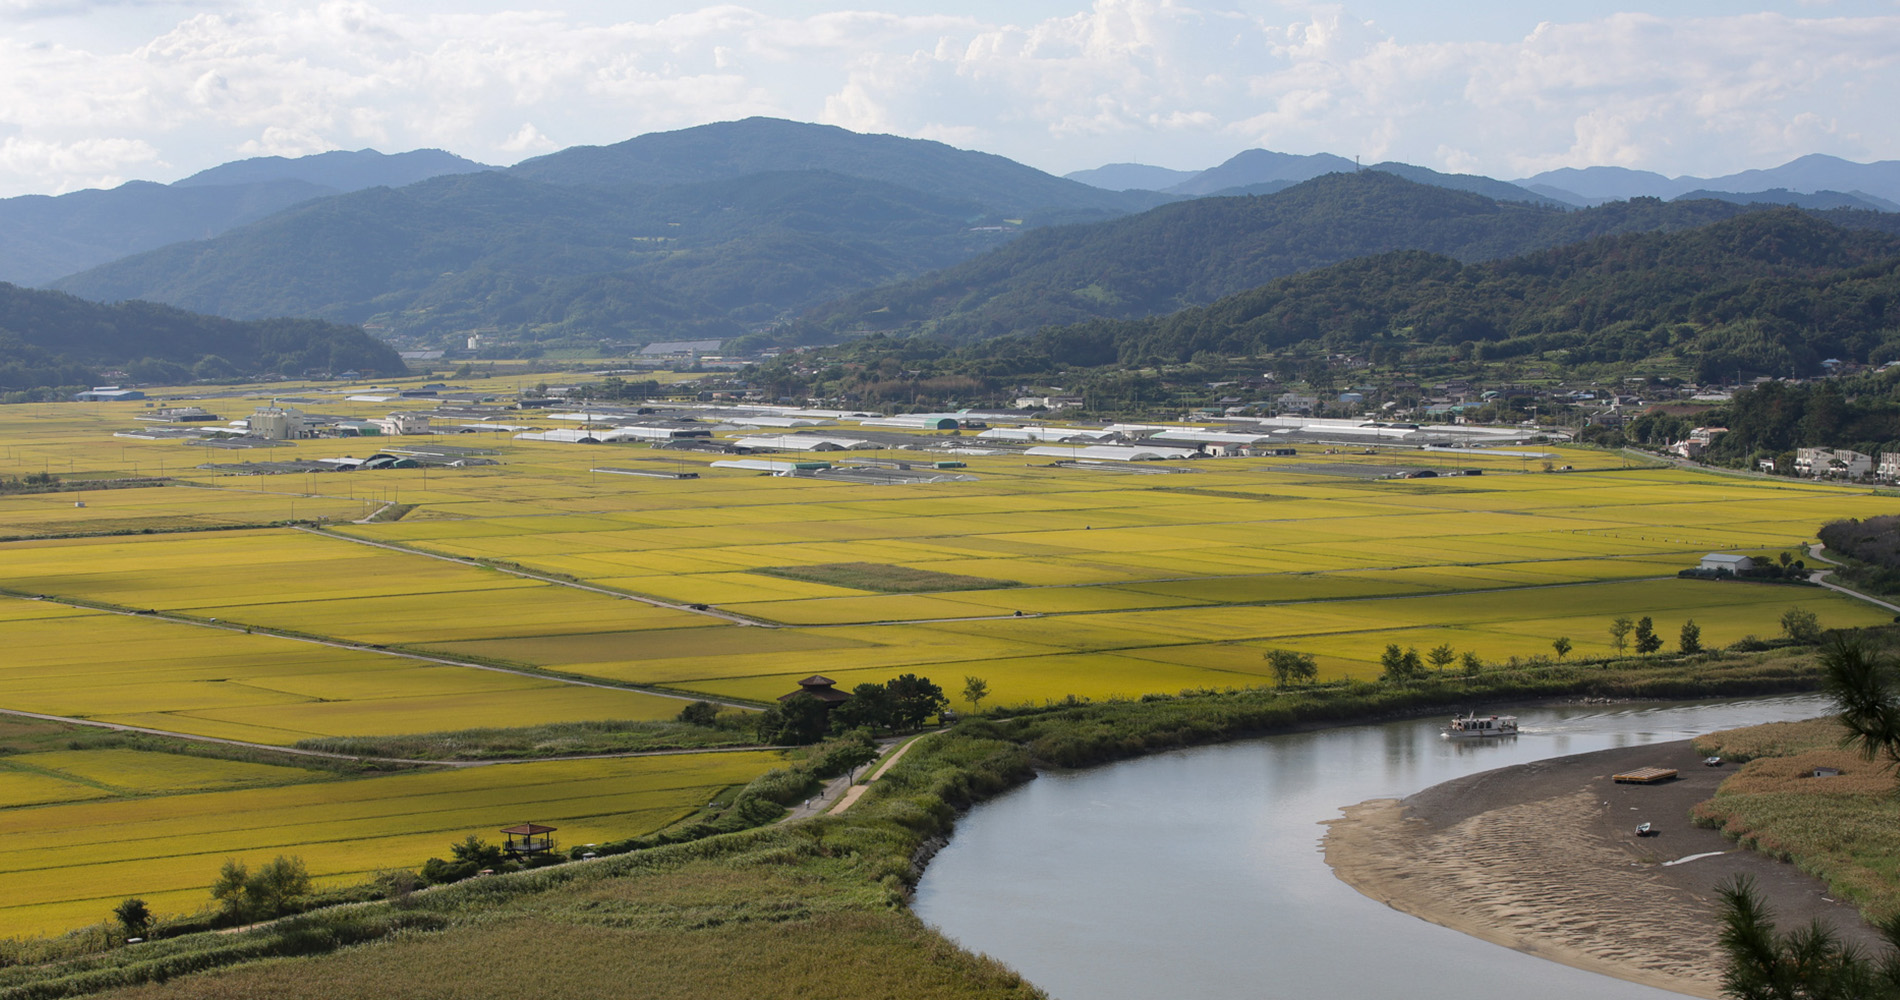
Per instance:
{"type": "Point", "coordinates": [917, 421]}
{"type": "Point", "coordinates": [107, 394]}
{"type": "Point", "coordinates": [1725, 562]}
{"type": "Point", "coordinates": [278, 423]}
{"type": "Point", "coordinates": [403, 423]}
{"type": "Point", "coordinates": [1218, 442]}
{"type": "Point", "coordinates": [802, 442]}
{"type": "Point", "coordinates": [1045, 434]}
{"type": "Point", "coordinates": [1111, 453]}
{"type": "Point", "coordinates": [768, 465]}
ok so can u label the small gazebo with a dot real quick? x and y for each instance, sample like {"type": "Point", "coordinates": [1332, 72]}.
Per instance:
{"type": "Point", "coordinates": [822, 688]}
{"type": "Point", "coordinates": [528, 840]}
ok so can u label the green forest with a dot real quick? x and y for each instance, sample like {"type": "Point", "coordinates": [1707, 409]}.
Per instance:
{"type": "Point", "coordinates": [51, 343]}
{"type": "Point", "coordinates": [1768, 292]}
{"type": "Point", "coordinates": [1194, 253]}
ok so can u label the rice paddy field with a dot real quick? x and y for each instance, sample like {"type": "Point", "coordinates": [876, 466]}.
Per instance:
{"type": "Point", "coordinates": [1083, 582]}
{"type": "Point", "coordinates": [68, 864]}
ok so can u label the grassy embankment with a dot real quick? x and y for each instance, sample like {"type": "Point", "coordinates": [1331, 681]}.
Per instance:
{"type": "Point", "coordinates": [558, 739]}
{"type": "Point", "coordinates": [803, 909]}
{"type": "Point", "coordinates": [1843, 829]}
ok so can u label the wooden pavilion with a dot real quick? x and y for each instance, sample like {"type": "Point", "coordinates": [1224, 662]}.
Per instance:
{"type": "Point", "coordinates": [822, 688]}
{"type": "Point", "coordinates": [528, 840]}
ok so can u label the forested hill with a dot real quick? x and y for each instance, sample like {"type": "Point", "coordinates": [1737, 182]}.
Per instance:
{"type": "Point", "coordinates": [729, 150]}
{"type": "Point", "coordinates": [500, 251]}
{"type": "Point", "coordinates": [1768, 292]}
{"type": "Point", "coordinates": [704, 232]}
{"type": "Point", "coordinates": [1192, 253]}
{"type": "Point", "coordinates": [50, 339]}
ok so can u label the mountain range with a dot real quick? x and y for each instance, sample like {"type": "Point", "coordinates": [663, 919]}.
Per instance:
{"type": "Point", "coordinates": [1762, 292]}
{"type": "Point", "coordinates": [1872, 185]}
{"type": "Point", "coordinates": [708, 231]}
{"type": "Point", "coordinates": [736, 227]}
{"type": "Point", "coordinates": [1192, 253]}
{"type": "Point", "coordinates": [45, 237]}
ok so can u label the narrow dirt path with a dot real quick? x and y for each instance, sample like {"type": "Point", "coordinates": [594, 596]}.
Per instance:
{"type": "Point", "coordinates": [726, 616]}
{"type": "Point", "coordinates": [363, 647]}
{"type": "Point", "coordinates": [358, 758]}
{"type": "Point", "coordinates": [856, 792]}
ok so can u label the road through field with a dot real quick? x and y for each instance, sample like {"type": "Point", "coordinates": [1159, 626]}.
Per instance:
{"type": "Point", "coordinates": [1818, 576]}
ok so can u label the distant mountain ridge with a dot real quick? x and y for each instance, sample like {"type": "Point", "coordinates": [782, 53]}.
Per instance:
{"type": "Point", "coordinates": [1260, 171]}
{"type": "Point", "coordinates": [341, 170]}
{"type": "Point", "coordinates": [705, 232]}
{"type": "Point", "coordinates": [1194, 252]}
{"type": "Point", "coordinates": [729, 150]}
{"type": "Point", "coordinates": [43, 238]}
{"type": "Point", "coordinates": [1805, 175]}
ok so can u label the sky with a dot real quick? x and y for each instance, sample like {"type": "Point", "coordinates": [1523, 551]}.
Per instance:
{"type": "Point", "coordinates": [97, 92]}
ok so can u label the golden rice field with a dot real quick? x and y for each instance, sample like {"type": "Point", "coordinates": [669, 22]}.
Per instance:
{"type": "Point", "coordinates": [140, 671]}
{"type": "Point", "coordinates": [67, 865]}
{"type": "Point", "coordinates": [1126, 584]}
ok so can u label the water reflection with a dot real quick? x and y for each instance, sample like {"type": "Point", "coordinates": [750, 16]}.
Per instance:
{"type": "Point", "coordinates": [1197, 874]}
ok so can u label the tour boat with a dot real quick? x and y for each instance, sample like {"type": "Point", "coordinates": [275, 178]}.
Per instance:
{"type": "Point", "coordinates": [1473, 726]}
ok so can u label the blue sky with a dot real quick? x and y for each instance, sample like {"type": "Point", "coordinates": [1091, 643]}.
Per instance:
{"type": "Point", "coordinates": [93, 93]}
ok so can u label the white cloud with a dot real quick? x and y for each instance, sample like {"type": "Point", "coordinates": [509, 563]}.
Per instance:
{"type": "Point", "coordinates": [527, 140]}
{"type": "Point", "coordinates": [81, 164]}
{"type": "Point", "coordinates": [1147, 80]}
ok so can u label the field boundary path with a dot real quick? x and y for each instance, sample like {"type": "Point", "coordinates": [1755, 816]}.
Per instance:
{"type": "Point", "coordinates": [358, 758]}
{"type": "Point", "coordinates": [855, 791]}
{"type": "Point", "coordinates": [728, 616]}
{"type": "Point", "coordinates": [1814, 551]}
{"type": "Point", "coordinates": [364, 647]}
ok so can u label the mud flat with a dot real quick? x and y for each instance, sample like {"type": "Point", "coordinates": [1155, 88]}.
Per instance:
{"type": "Point", "coordinates": [1544, 858]}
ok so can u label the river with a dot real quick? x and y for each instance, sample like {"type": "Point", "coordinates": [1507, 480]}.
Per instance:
{"type": "Point", "coordinates": [1197, 874]}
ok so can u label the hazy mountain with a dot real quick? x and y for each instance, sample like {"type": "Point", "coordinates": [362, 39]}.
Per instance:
{"type": "Point", "coordinates": [1260, 166]}
{"type": "Point", "coordinates": [339, 170]}
{"type": "Point", "coordinates": [1474, 183]}
{"type": "Point", "coordinates": [727, 150]}
{"type": "Point", "coordinates": [1131, 177]}
{"type": "Point", "coordinates": [1819, 200]}
{"type": "Point", "coordinates": [497, 250]}
{"type": "Point", "coordinates": [43, 238]}
{"type": "Point", "coordinates": [50, 339]}
{"type": "Point", "coordinates": [1194, 252]}
{"type": "Point", "coordinates": [1817, 172]}
{"type": "Point", "coordinates": [1600, 184]}
{"type": "Point", "coordinates": [1806, 175]}
{"type": "Point", "coordinates": [1261, 171]}
{"type": "Point", "coordinates": [709, 231]}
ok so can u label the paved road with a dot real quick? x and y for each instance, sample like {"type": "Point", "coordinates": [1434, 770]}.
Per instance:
{"type": "Point", "coordinates": [1819, 576]}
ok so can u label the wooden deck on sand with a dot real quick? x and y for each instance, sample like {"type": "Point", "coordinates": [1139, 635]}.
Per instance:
{"type": "Point", "coordinates": [1645, 776]}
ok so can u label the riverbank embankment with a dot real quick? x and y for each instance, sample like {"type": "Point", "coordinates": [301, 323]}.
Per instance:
{"type": "Point", "coordinates": [1544, 858]}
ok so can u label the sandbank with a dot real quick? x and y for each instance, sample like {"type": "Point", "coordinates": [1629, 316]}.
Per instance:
{"type": "Point", "coordinates": [1544, 858]}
